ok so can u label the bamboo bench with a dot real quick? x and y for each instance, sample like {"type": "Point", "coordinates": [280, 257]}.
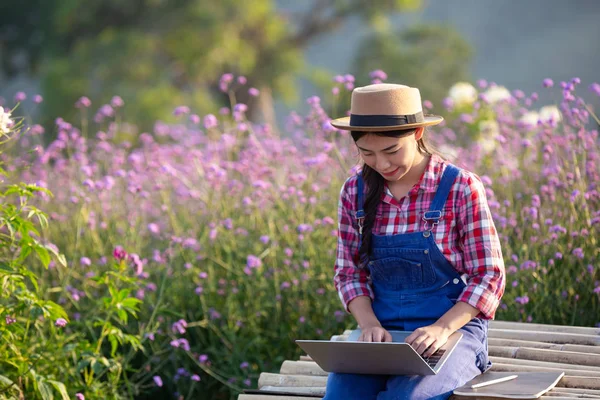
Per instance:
{"type": "Point", "coordinates": [513, 346]}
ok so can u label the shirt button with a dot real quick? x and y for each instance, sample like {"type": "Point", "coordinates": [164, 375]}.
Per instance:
{"type": "Point", "coordinates": [455, 281]}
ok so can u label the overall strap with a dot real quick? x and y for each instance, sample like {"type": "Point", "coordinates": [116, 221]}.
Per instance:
{"type": "Point", "coordinates": [360, 213]}
{"type": "Point", "coordinates": [441, 195]}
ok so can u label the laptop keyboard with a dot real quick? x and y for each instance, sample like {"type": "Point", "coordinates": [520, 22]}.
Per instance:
{"type": "Point", "coordinates": [433, 359]}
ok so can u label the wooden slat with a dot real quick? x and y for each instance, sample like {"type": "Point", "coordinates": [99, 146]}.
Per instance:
{"type": "Point", "coordinates": [580, 382]}
{"type": "Point", "coordinates": [535, 363]}
{"type": "Point", "coordinates": [540, 345]}
{"type": "Point", "coordinates": [301, 368]}
{"type": "Point", "coordinates": [307, 391]}
{"type": "Point", "coordinates": [501, 367]}
{"type": "Point", "coordinates": [272, 397]}
{"type": "Point", "coordinates": [544, 327]}
{"type": "Point", "coordinates": [269, 379]}
{"type": "Point", "coordinates": [548, 337]}
{"type": "Point", "coordinates": [568, 357]}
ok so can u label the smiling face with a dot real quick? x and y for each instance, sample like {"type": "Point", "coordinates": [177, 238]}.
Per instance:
{"type": "Point", "coordinates": [392, 157]}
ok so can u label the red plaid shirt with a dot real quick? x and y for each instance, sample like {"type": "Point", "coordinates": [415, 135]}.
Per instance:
{"type": "Point", "coordinates": [466, 235]}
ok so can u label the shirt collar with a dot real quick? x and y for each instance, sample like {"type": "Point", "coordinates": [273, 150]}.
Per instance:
{"type": "Point", "coordinates": [428, 181]}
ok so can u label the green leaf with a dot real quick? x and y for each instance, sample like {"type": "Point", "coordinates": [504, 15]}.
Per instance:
{"type": "Point", "coordinates": [42, 388]}
{"type": "Point", "coordinates": [43, 255]}
{"type": "Point", "coordinates": [5, 381]}
{"type": "Point", "coordinates": [122, 315]}
{"type": "Point", "coordinates": [55, 310]}
{"type": "Point", "coordinates": [113, 345]}
{"type": "Point", "coordinates": [61, 388]}
{"type": "Point", "coordinates": [6, 268]}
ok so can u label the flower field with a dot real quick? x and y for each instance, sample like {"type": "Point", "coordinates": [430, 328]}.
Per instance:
{"type": "Point", "coordinates": [182, 262]}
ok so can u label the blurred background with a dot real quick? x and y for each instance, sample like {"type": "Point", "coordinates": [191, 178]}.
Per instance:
{"type": "Point", "coordinates": [159, 54]}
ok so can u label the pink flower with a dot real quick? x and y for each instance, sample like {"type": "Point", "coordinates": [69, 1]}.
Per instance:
{"type": "Point", "coordinates": [157, 380]}
{"type": "Point", "coordinates": [181, 110]}
{"type": "Point", "coordinates": [119, 254]}
{"type": "Point", "coordinates": [116, 102]}
{"type": "Point", "coordinates": [210, 121]}
{"type": "Point", "coordinates": [79, 396]}
{"type": "Point", "coordinates": [10, 320]}
{"type": "Point", "coordinates": [20, 96]}
{"type": "Point", "coordinates": [254, 92]}
{"type": "Point", "coordinates": [83, 102]}
{"type": "Point", "coordinates": [61, 322]}
{"type": "Point", "coordinates": [37, 99]}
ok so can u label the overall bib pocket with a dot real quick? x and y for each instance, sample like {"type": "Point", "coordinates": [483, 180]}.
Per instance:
{"type": "Point", "coordinates": [402, 273]}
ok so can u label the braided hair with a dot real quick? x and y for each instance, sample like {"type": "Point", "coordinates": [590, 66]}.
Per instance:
{"type": "Point", "coordinates": [375, 184]}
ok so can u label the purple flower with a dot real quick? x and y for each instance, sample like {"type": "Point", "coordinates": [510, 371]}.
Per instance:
{"type": "Point", "coordinates": [116, 102]}
{"type": "Point", "coordinates": [154, 228]}
{"type": "Point", "coordinates": [253, 262]}
{"type": "Point", "coordinates": [264, 239]}
{"type": "Point", "coordinates": [181, 110]}
{"type": "Point", "coordinates": [210, 121]}
{"type": "Point", "coordinates": [522, 300]}
{"type": "Point", "coordinates": [157, 380]}
{"type": "Point", "coordinates": [79, 396]}
{"type": "Point", "coordinates": [61, 322]}
{"type": "Point", "coordinates": [242, 80]}
{"type": "Point", "coordinates": [378, 74]}
{"type": "Point", "coordinates": [83, 102]}
{"type": "Point", "coordinates": [595, 88]}
{"type": "Point", "coordinates": [254, 92]}
{"type": "Point", "coordinates": [195, 378]}
{"type": "Point", "coordinates": [37, 99]}
{"type": "Point", "coordinates": [179, 326]}
{"type": "Point", "coordinates": [20, 96]}
{"type": "Point", "coordinates": [303, 228]}
{"type": "Point", "coordinates": [548, 83]}
{"type": "Point", "coordinates": [244, 365]}
{"type": "Point", "coordinates": [85, 261]}
{"type": "Point", "coordinates": [203, 358]}
{"type": "Point", "coordinates": [578, 252]}
{"type": "Point", "coordinates": [119, 254]}
{"type": "Point", "coordinates": [195, 119]}
{"type": "Point", "coordinates": [10, 320]}
{"type": "Point", "coordinates": [106, 110]}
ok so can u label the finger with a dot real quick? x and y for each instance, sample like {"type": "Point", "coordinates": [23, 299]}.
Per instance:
{"type": "Point", "coordinates": [432, 349]}
{"type": "Point", "coordinates": [411, 338]}
{"type": "Point", "coordinates": [369, 337]}
{"type": "Point", "coordinates": [377, 336]}
{"type": "Point", "coordinates": [425, 345]}
{"type": "Point", "coordinates": [387, 337]}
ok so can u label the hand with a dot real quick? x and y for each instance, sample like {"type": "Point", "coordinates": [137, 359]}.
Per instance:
{"type": "Point", "coordinates": [374, 334]}
{"type": "Point", "coordinates": [428, 339]}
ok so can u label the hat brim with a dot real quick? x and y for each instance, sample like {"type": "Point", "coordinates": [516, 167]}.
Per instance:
{"type": "Point", "coordinates": [344, 124]}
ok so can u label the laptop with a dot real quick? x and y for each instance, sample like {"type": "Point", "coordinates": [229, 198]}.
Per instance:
{"type": "Point", "coordinates": [380, 358]}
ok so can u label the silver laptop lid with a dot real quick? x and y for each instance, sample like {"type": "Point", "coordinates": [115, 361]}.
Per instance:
{"type": "Point", "coordinates": [388, 358]}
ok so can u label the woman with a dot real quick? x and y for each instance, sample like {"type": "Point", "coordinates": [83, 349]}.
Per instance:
{"type": "Point", "coordinates": [417, 248]}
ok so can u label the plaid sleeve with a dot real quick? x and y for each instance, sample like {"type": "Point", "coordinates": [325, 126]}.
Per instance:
{"type": "Point", "coordinates": [349, 280]}
{"type": "Point", "coordinates": [483, 261]}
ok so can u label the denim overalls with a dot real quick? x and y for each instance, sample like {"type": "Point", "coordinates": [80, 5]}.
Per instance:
{"type": "Point", "coordinates": [414, 285]}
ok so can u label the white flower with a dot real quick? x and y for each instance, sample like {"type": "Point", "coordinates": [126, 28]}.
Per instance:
{"type": "Point", "coordinates": [497, 93]}
{"type": "Point", "coordinates": [549, 113]}
{"type": "Point", "coordinates": [489, 130]}
{"type": "Point", "coordinates": [5, 121]}
{"type": "Point", "coordinates": [530, 118]}
{"type": "Point", "coordinates": [463, 93]}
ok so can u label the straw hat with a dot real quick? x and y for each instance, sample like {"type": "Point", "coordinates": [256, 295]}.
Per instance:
{"type": "Point", "coordinates": [385, 107]}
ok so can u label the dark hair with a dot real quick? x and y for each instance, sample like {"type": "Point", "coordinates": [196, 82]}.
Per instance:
{"type": "Point", "coordinates": [375, 185]}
